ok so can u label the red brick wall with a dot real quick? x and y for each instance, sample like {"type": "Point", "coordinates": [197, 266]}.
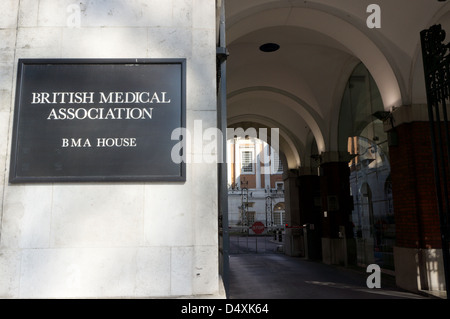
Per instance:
{"type": "Point", "coordinates": [250, 179]}
{"type": "Point", "coordinates": [413, 188]}
{"type": "Point", "coordinates": [274, 179]}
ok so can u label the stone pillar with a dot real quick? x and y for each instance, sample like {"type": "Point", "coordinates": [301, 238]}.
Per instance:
{"type": "Point", "coordinates": [266, 176]}
{"type": "Point", "coordinates": [258, 154]}
{"type": "Point", "coordinates": [293, 238]}
{"type": "Point", "coordinates": [111, 240]}
{"type": "Point", "coordinates": [417, 253]}
{"type": "Point", "coordinates": [310, 213]}
{"type": "Point", "coordinates": [338, 245]}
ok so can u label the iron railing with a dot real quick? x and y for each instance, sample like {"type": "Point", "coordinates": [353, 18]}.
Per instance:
{"type": "Point", "coordinates": [436, 63]}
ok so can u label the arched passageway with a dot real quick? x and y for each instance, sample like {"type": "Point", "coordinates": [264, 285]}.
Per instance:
{"type": "Point", "coordinates": [256, 164]}
{"type": "Point", "coordinates": [344, 97]}
{"type": "Point", "coordinates": [303, 86]}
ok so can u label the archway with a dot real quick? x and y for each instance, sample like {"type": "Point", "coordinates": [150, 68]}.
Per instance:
{"type": "Point", "coordinates": [256, 165]}
{"type": "Point", "coordinates": [298, 87]}
{"type": "Point", "coordinates": [321, 48]}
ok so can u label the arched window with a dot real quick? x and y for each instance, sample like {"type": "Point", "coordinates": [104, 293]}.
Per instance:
{"type": "Point", "coordinates": [362, 135]}
{"type": "Point", "coordinates": [279, 214]}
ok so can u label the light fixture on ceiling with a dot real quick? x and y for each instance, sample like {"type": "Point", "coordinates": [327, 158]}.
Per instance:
{"type": "Point", "coordinates": [269, 47]}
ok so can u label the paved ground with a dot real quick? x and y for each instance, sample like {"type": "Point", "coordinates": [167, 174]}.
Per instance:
{"type": "Point", "coordinates": [277, 276]}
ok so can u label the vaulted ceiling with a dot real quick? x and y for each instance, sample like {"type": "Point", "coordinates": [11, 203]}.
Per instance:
{"type": "Point", "coordinates": [299, 87]}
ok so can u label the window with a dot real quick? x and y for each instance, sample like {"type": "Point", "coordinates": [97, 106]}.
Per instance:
{"type": "Point", "coordinates": [279, 186]}
{"type": "Point", "coordinates": [250, 218]}
{"type": "Point", "coordinates": [278, 218]}
{"type": "Point", "coordinates": [247, 162]}
{"type": "Point", "coordinates": [279, 214]}
{"type": "Point", "coordinates": [362, 134]}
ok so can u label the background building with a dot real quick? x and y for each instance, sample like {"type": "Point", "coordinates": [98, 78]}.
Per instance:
{"type": "Point", "coordinates": [255, 184]}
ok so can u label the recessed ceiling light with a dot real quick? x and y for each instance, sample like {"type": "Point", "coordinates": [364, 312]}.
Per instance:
{"type": "Point", "coordinates": [269, 47]}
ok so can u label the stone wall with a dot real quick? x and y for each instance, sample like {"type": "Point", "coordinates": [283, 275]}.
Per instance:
{"type": "Point", "coordinates": [110, 239]}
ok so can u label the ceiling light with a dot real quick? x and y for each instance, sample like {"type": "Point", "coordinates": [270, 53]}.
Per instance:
{"type": "Point", "coordinates": [269, 47]}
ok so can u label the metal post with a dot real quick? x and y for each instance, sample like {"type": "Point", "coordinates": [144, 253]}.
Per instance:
{"type": "Point", "coordinates": [221, 56]}
{"type": "Point", "coordinates": [269, 210]}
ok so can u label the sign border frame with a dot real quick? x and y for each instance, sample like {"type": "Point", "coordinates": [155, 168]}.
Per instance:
{"type": "Point", "coordinates": [13, 176]}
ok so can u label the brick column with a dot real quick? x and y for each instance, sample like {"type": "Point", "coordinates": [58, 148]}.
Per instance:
{"type": "Point", "coordinates": [418, 253]}
{"type": "Point", "coordinates": [293, 239]}
{"type": "Point", "coordinates": [413, 188]}
{"type": "Point", "coordinates": [311, 214]}
{"type": "Point", "coordinates": [338, 246]}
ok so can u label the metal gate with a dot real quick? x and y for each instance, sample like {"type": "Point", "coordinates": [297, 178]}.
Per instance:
{"type": "Point", "coordinates": [244, 240]}
{"type": "Point", "coordinates": [436, 63]}
{"type": "Point", "coordinates": [255, 236]}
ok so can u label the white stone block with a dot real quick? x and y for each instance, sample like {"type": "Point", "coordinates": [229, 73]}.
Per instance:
{"type": "Point", "coordinates": [53, 13]}
{"type": "Point", "coordinates": [126, 13]}
{"type": "Point", "coordinates": [153, 272]}
{"type": "Point", "coordinates": [97, 215]}
{"type": "Point", "coordinates": [4, 145]}
{"type": "Point", "coordinates": [104, 42]}
{"type": "Point", "coordinates": [6, 77]}
{"type": "Point", "coordinates": [26, 216]}
{"type": "Point", "coordinates": [169, 42]}
{"type": "Point", "coordinates": [5, 105]}
{"type": "Point", "coordinates": [28, 13]}
{"type": "Point", "coordinates": [7, 46]}
{"type": "Point", "coordinates": [38, 43]}
{"type": "Point", "coordinates": [9, 10]}
{"type": "Point", "coordinates": [203, 134]}
{"type": "Point", "coordinates": [9, 273]}
{"type": "Point", "coordinates": [201, 72]}
{"type": "Point", "coordinates": [204, 14]}
{"type": "Point", "coordinates": [182, 13]}
{"type": "Point", "coordinates": [199, 85]}
{"type": "Point", "coordinates": [4, 129]}
{"type": "Point", "coordinates": [202, 49]}
{"type": "Point", "coordinates": [168, 215]}
{"type": "Point", "coordinates": [181, 271]}
{"type": "Point", "coordinates": [205, 265]}
{"type": "Point", "coordinates": [72, 273]}
{"type": "Point", "coordinates": [205, 219]}
{"type": "Point", "coordinates": [434, 268]}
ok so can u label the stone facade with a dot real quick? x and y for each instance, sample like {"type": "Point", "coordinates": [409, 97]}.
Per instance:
{"type": "Point", "coordinates": [110, 239]}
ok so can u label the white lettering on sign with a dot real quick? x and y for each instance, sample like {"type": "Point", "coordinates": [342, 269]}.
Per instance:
{"type": "Point", "coordinates": [99, 113]}
{"type": "Point", "coordinates": [101, 142]}
{"type": "Point", "coordinates": [62, 98]}
{"type": "Point", "coordinates": [117, 113]}
{"type": "Point", "coordinates": [133, 97]}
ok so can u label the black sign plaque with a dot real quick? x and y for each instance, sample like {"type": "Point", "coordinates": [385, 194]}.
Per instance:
{"type": "Point", "coordinates": [97, 120]}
